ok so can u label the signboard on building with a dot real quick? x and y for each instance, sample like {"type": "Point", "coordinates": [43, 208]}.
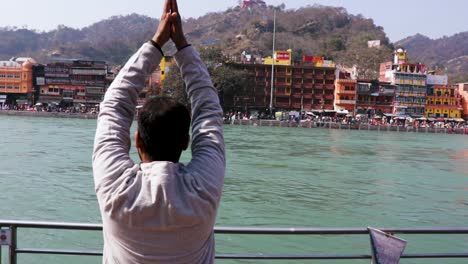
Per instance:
{"type": "Point", "coordinates": [283, 55]}
{"type": "Point", "coordinates": [437, 79]}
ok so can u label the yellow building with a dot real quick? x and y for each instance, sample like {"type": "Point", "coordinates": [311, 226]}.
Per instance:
{"type": "Point", "coordinates": [445, 102]}
{"type": "Point", "coordinates": [16, 80]}
{"type": "Point", "coordinates": [281, 58]}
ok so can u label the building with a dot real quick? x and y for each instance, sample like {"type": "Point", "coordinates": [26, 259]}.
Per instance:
{"type": "Point", "coordinates": [375, 98]}
{"type": "Point", "coordinates": [442, 100]}
{"type": "Point", "coordinates": [252, 3]}
{"type": "Point", "coordinates": [410, 82]}
{"type": "Point", "coordinates": [463, 92]}
{"type": "Point", "coordinates": [346, 95]}
{"type": "Point", "coordinates": [72, 82]}
{"type": "Point", "coordinates": [16, 85]}
{"type": "Point", "coordinates": [306, 86]}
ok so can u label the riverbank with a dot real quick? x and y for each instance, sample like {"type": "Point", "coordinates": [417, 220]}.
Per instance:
{"type": "Point", "coordinates": [268, 123]}
{"type": "Point", "coordinates": [332, 125]}
{"type": "Point", "coordinates": [48, 114]}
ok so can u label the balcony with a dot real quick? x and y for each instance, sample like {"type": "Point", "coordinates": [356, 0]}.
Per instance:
{"type": "Point", "coordinates": [329, 96]}
{"type": "Point", "coordinates": [297, 75]}
{"type": "Point", "coordinates": [282, 94]}
{"type": "Point", "coordinates": [260, 74]}
{"type": "Point", "coordinates": [345, 102]}
{"type": "Point", "coordinates": [296, 95]}
{"type": "Point", "coordinates": [318, 86]}
{"type": "Point", "coordinates": [308, 96]}
{"type": "Point", "coordinates": [308, 85]}
{"type": "Point", "coordinates": [296, 105]}
{"type": "Point", "coordinates": [308, 76]}
{"type": "Point", "coordinates": [319, 76]}
{"type": "Point", "coordinates": [384, 103]}
{"type": "Point", "coordinates": [282, 104]}
{"type": "Point", "coordinates": [329, 86]}
{"type": "Point", "coordinates": [297, 85]}
{"type": "Point", "coordinates": [318, 96]}
{"type": "Point", "coordinates": [330, 77]}
{"type": "Point", "coordinates": [345, 92]}
{"type": "Point", "coordinates": [280, 74]}
{"type": "Point", "coordinates": [282, 84]}
{"type": "Point", "coordinates": [438, 106]}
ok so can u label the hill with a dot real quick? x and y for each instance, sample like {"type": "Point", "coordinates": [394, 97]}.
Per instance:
{"type": "Point", "coordinates": [449, 54]}
{"type": "Point", "coordinates": [312, 30]}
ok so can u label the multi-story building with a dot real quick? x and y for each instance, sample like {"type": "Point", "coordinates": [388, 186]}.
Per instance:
{"type": "Point", "coordinates": [410, 82]}
{"type": "Point", "coordinates": [463, 92]}
{"type": "Point", "coordinates": [346, 95]}
{"type": "Point", "coordinates": [16, 86]}
{"type": "Point", "coordinates": [442, 99]}
{"type": "Point", "coordinates": [375, 98]}
{"type": "Point", "coordinates": [70, 82]}
{"type": "Point", "coordinates": [306, 86]}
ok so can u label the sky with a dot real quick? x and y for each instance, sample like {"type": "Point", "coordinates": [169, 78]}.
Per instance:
{"type": "Point", "coordinates": [399, 18]}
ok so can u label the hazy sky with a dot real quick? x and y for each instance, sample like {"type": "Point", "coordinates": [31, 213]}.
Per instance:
{"type": "Point", "coordinates": [400, 18]}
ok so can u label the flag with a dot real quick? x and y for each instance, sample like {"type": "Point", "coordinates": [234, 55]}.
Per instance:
{"type": "Point", "coordinates": [386, 249]}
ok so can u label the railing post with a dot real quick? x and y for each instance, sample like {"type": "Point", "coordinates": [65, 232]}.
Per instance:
{"type": "Point", "coordinates": [12, 247]}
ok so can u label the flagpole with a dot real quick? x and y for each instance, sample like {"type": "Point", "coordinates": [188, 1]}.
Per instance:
{"type": "Point", "coordinates": [273, 64]}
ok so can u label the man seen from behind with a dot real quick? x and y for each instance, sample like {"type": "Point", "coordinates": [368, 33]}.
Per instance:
{"type": "Point", "coordinates": [160, 211]}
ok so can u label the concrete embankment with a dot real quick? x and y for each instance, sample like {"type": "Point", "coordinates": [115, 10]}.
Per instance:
{"type": "Point", "coordinates": [331, 125]}
{"type": "Point", "coordinates": [47, 114]}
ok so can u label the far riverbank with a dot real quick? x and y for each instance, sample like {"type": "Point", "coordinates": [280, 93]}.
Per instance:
{"type": "Point", "coordinates": [358, 126]}
{"type": "Point", "coordinates": [268, 123]}
{"type": "Point", "coordinates": [48, 114]}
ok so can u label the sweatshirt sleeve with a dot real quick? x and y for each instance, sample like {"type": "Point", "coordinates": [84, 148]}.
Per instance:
{"type": "Point", "coordinates": [112, 140]}
{"type": "Point", "coordinates": [208, 150]}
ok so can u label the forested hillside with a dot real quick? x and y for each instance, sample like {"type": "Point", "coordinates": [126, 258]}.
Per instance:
{"type": "Point", "coordinates": [449, 54]}
{"type": "Point", "coordinates": [313, 30]}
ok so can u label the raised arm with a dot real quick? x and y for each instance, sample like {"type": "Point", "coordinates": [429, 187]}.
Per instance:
{"type": "Point", "coordinates": [112, 141]}
{"type": "Point", "coordinates": [208, 151]}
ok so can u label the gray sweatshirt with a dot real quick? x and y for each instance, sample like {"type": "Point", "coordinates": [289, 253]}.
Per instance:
{"type": "Point", "coordinates": [159, 212]}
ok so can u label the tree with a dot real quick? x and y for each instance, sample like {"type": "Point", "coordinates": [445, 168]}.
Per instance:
{"type": "Point", "coordinates": [229, 81]}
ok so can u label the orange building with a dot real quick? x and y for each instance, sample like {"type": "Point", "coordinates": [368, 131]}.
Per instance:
{"type": "Point", "coordinates": [296, 87]}
{"type": "Point", "coordinates": [16, 81]}
{"type": "Point", "coordinates": [463, 92]}
{"type": "Point", "coordinates": [345, 95]}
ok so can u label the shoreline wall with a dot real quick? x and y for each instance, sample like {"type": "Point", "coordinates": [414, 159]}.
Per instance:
{"type": "Point", "coordinates": [268, 123]}
{"type": "Point", "coordinates": [368, 127]}
{"type": "Point", "coordinates": [47, 114]}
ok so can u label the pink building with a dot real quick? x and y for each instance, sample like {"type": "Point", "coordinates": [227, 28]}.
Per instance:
{"type": "Point", "coordinates": [463, 91]}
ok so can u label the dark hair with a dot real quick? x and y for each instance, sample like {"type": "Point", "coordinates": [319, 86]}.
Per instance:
{"type": "Point", "coordinates": [163, 125]}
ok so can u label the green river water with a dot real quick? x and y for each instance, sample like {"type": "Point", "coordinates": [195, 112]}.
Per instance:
{"type": "Point", "coordinates": [276, 177]}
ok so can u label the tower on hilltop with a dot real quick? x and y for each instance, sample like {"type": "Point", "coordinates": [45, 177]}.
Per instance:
{"type": "Point", "coordinates": [252, 3]}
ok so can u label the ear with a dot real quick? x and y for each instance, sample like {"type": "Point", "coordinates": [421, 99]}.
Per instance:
{"type": "Point", "coordinates": [138, 143]}
{"type": "Point", "coordinates": [186, 143]}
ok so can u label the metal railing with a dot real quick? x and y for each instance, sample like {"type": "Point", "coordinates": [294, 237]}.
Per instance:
{"type": "Point", "coordinates": [9, 230]}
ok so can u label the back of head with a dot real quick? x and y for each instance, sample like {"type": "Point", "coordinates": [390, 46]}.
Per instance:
{"type": "Point", "coordinates": [163, 125]}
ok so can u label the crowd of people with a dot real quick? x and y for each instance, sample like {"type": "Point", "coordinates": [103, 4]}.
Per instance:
{"type": "Point", "coordinates": [348, 119]}
{"type": "Point", "coordinates": [82, 109]}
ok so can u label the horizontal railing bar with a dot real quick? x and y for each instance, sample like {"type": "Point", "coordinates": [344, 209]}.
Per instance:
{"type": "Point", "coordinates": [253, 230]}
{"type": "Point", "coordinates": [52, 225]}
{"type": "Point", "coordinates": [291, 257]}
{"type": "Point", "coordinates": [59, 252]}
{"type": "Point", "coordinates": [252, 256]}
{"type": "Point", "coordinates": [337, 231]}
